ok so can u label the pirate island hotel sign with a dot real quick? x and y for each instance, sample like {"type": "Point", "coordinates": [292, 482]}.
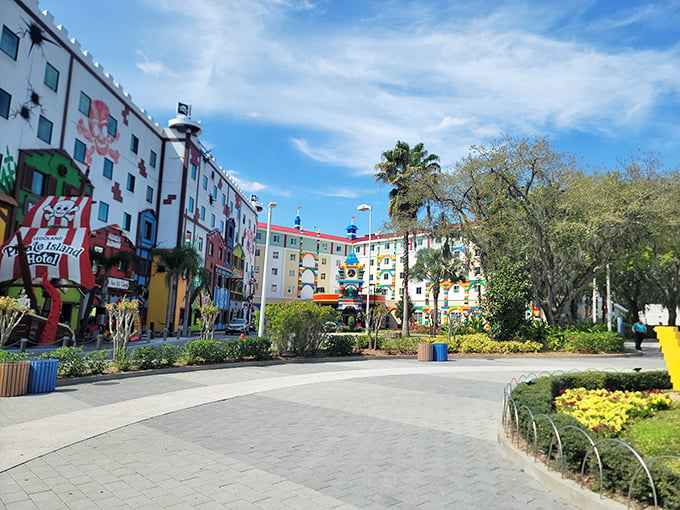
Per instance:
{"type": "Point", "coordinates": [55, 237]}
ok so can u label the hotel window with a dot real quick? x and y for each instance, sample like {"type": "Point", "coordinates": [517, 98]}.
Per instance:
{"type": "Point", "coordinates": [214, 191]}
{"type": "Point", "coordinates": [291, 289]}
{"type": "Point", "coordinates": [134, 144]}
{"type": "Point", "coordinates": [275, 255]}
{"type": "Point", "coordinates": [274, 287]}
{"type": "Point", "coordinates": [9, 43]}
{"type": "Point", "coordinates": [205, 182]}
{"type": "Point", "coordinates": [401, 292]}
{"type": "Point", "coordinates": [224, 199]}
{"type": "Point", "coordinates": [103, 214]}
{"type": "Point", "coordinates": [193, 171]}
{"type": "Point", "coordinates": [44, 129]}
{"type": "Point", "coordinates": [419, 290]}
{"type": "Point", "coordinates": [127, 221]}
{"type": "Point", "coordinates": [275, 271]}
{"type": "Point", "coordinates": [84, 104]}
{"type": "Point", "coordinates": [357, 249]}
{"type": "Point", "coordinates": [152, 159]}
{"type": "Point", "coordinates": [277, 238]}
{"type": "Point", "coordinates": [131, 182]}
{"type": "Point", "coordinates": [257, 252]}
{"type": "Point", "coordinates": [221, 226]}
{"type": "Point", "coordinates": [292, 257]}
{"type": "Point", "coordinates": [291, 272]}
{"type": "Point", "coordinates": [212, 220]}
{"type": "Point", "coordinates": [108, 168]}
{"type": "Point", "coordinates": [191, 204]}
{"type": "Point", "coordinates": [323, 260]}
{"type": "Point", "coordinates": [338, 249]}
{"type": "Point", "coordinates": [200, 243]}
{"type": "Point", "coordinates": [112, 126]}
{"type": "Point", "coordinates": [79, 151]}
{"type": "Point", "coordinates": [203, 213]}
{"type": "Point", "coordinates": [5, 100]}
{"type": "Point", "coordinates": [51, 78]}
{"type": "Point", "coordinates": [211, 247]}
{"type": "Point", "coordinates": [323, 276]}
{"type": "Point", "coordinates": [456, 289]}
{"type": "Point", "coordinates": [149, 194]}
{"type": "Point", "coordinates": [387, 246]}
{"type": "Point", "coordinates": [420, 242]}
{"type": "Point", "coordinates": [38, 183]}
{"type": "Point", "coordinates": [386, 276]}
{"type": "Point", "coordinates": [148, 230]}
{"type": "Point", "coordinates": [293, 242]}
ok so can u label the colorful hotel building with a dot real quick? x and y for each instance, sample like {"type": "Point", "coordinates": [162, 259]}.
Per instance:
{"type": "Point", "coordinates": [305, 265]}
{"type": "Point", "coordinates": [67, 128]}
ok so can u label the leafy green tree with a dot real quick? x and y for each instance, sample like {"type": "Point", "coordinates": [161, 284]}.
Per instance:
{"type": "Point", "coordinates": [376, 317]}
{"type": "Point", "coordinates": [563, 224]}
{"type": "Point", "coordinates": [298, 327]}
{"type": "Point", "coordinates": [508, 291]}
{"type": "Point", "coordinates": [406, 169]}
{"type": "Point", "coordinates": [399, 309]}
{"type": "Point", "coordinates": [433, 266]}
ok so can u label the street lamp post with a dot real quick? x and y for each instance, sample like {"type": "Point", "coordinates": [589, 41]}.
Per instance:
{"type": "Point", "coordinates": [366, 207]}
{"type": "Point", "coordinates": [260, 330]}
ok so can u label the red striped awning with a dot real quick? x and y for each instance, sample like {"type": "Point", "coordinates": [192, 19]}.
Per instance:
{"type": "Point", "coordinates": [64, 212]}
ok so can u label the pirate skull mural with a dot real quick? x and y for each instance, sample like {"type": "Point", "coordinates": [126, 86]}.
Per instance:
{"type": "Point", "coordinates": [63, 211]}
{"type": "Point", "coordinates": [97, 132]}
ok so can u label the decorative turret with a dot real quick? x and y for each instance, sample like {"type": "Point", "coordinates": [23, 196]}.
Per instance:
{"type": "Point", "coordinates": [352, 230]}
{"type": "Point", "coordinates": [298, 223]}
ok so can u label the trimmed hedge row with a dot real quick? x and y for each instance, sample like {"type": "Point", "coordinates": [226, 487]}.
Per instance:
{"type": "Point", "coordinates": [618, 464]}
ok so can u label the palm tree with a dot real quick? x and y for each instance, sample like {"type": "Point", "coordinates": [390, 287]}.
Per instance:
{"type": "Point", "coordinates": [181, 261]}
{"type": "Point", "coordinates": [408, 170]}
{"type": "Point", "coordinates": [432, 265]}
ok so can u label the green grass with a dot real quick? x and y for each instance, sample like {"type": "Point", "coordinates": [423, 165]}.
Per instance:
{"type": "Point", "coordinates": [659, 435]}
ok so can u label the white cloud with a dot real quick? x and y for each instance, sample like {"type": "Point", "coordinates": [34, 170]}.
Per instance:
{"type": "Point", "coordinates": [449, 84]}
{"type": "Point", "coordinates": [338, 193]}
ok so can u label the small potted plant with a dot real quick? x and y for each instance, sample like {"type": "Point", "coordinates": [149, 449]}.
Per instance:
{"type": "Point", "coordinates": [14, 368]}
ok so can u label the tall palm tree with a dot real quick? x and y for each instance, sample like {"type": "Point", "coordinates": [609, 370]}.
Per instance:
{"type": "Point", "coordinates": [408, 170]}
{"type": "Point", "coordinates": [434, 266]}
{"type": "Point", "coordinates": [181, 261]}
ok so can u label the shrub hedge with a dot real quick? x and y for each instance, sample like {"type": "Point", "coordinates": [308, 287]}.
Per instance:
{"type": "Point", "coordinates": [618, 464]}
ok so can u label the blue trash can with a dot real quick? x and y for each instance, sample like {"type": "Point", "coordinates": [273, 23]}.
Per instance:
{"type": "Point", "coordinates": [42, 376]}
{"type": "Point", "coordinates": [441, 352]}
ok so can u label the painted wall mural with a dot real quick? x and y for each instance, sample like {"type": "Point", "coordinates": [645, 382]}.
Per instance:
{"type": "Point", "coordinates": [97, 133]}
{"type": "Point", "coordinates": [8, 173]}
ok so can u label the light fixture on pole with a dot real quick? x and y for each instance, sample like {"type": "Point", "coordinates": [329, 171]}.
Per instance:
{"type": "Point", "coordinates": [363, 208]}
{"type": "Point", "coordinates": [260, 330]}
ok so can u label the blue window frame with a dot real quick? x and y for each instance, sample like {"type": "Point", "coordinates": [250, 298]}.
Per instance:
{"type": "Point", "coordinates": [193, 171]}
{"type": "Point", "coordinates": [5, 101]}
{"type": "Point", "coordinates": [191, 204]}
{"type": "Point", "coordinates": [79, 150]}
{"type": "Point", "coordinates": [84, 104]}
{"type": "Point", "coordinates": [112, 126]}
{"type": "Point", "coordinates": [9, 43]}
{"type": "Point", "coordinates": [127, 221]}
{"type": "Point", "coordinates": [131, 183]}
{"type": "Point", "coordinates": [205, 182]}
{"type": "Point", "coordinates": [134, 144]}
{"type": "Point", "coordinates": [51, 76]}
{"type": "Point", "coordinates": [108, 168]}
{"type": "Point", "coordinates": [149, 194]}
{"type": "Point", "coordinates": [103, 214]}
{"type": "Point", "coordinates": [44, 129]}
{"type": "Point", "coordinates": [152, 159]}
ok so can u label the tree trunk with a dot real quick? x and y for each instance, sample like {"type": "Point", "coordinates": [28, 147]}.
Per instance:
{"type": "Point", "coordinates": [435, 315]}
{"type": "Point", "coordinates": [405, 311]}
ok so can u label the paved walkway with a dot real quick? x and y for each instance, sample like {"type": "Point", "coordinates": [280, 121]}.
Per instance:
{"type": "Point", "coordinates": [384, 433]}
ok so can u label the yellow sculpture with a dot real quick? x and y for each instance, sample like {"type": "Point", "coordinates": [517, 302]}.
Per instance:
{"type": "Point", "coordinates": [669, 339]}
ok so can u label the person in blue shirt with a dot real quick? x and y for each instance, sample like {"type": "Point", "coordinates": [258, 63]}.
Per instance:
{"type": "Point", "coordinates": [639, 330]}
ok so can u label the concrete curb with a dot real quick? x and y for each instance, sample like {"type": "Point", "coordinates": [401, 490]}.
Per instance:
{"type": "Point", "coordinates": [568, 490]}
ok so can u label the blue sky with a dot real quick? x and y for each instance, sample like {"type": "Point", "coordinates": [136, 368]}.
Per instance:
{"type": "Point", "coordinates": [299, 98]}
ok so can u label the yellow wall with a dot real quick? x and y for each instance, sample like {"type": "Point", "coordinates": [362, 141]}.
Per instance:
{"type": "Point", "coordinates": [158, 301]}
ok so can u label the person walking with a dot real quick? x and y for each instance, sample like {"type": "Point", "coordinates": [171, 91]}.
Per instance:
{"type": "Point", "coordinates": [639, 330]}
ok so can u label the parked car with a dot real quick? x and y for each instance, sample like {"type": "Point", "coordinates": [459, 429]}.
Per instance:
{"type": "Point", "coordinates": [237, 326]}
